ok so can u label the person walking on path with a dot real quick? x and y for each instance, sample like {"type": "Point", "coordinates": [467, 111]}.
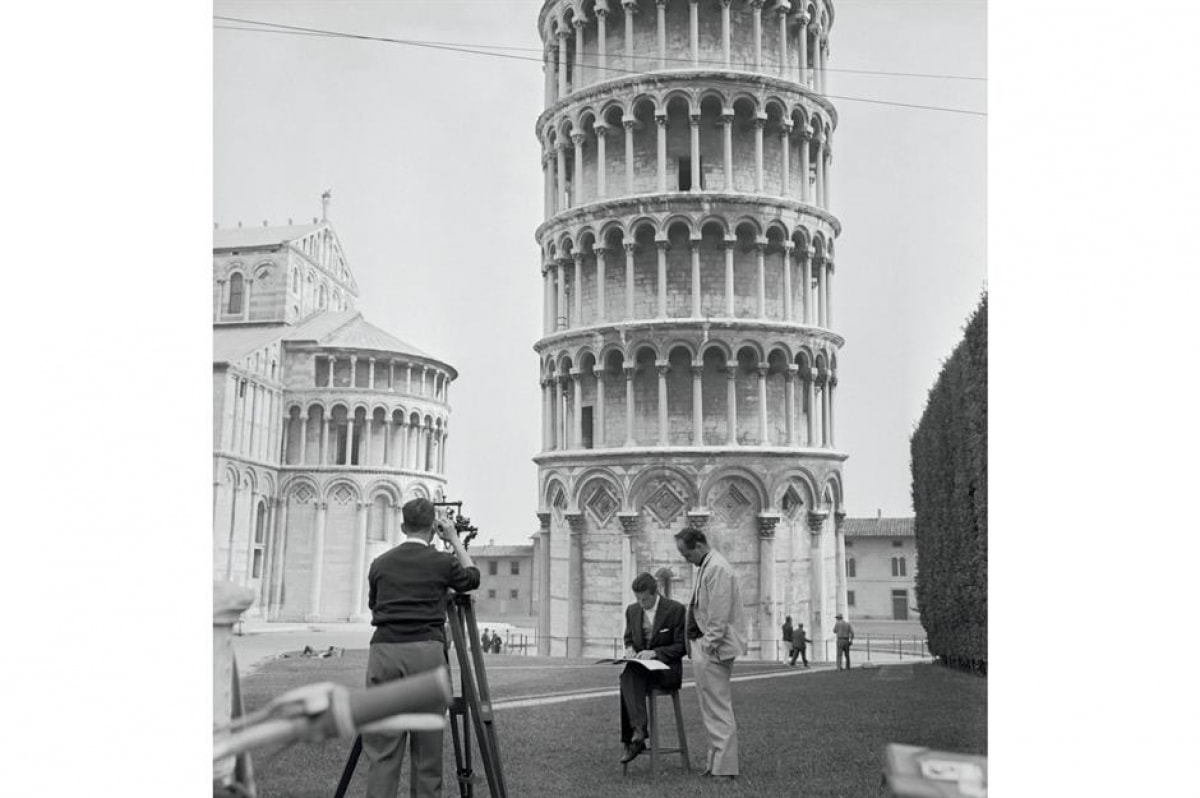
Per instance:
{"type": "Point", "coordinates": [716, 637]}
{"type": "Point", "coordinates": [799, 640]}
{"type": "Point", "coordinates": [407, 596]}
{"type": "Point", "coordinates": [787, 635]}
{"type": "Point", "coordinates": [845, 636]}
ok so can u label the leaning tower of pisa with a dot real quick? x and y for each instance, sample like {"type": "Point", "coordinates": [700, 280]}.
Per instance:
{"type": "Point", "coordinates": [689, 357]}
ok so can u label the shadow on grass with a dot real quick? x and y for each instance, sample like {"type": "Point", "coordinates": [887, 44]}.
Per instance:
{"type": "Point", "coordinates": [820, 734]}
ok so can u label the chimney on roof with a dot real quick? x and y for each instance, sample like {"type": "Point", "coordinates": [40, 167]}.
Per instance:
{"type": "Point", "coordinates": [879, 514]}
{"type": "Point", "coordinates": [314, 220]}
{"type": "Point", "coordinates": [264, 222]}
{"type": "Point", "coordinates": [239, 224]}
{"type": "Point", "coordinates": [289, 221]}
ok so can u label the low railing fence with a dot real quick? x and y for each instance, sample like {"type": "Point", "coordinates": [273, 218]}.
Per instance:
{"type": "Point", "coordinates": [866, 648]}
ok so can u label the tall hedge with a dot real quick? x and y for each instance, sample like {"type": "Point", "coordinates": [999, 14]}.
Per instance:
{"type": "Point", "coordinates": [949, 493]}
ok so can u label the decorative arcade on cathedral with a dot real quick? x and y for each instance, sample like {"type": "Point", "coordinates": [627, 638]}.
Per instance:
{"type": "Point", "coordinates": [689, 358]}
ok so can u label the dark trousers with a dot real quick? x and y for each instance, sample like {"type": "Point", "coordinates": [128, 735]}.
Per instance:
{"type": "Point", "coordinates": [843, 649]}
{"type": "Point", "coordinates": [385, 752]}
{"type": "Point", "coordinates": [799, 652]}
{"type": "Point", "coordinates": [635, 681]}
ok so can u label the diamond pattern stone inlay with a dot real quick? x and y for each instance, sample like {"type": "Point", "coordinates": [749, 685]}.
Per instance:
{"type": "Point", "coordinates": [343, 494]}
{"type": "Point", "coordinates": [732, 506]}
{"type": "Point", "coordinates": [792, 503]}
{"type": "Point", "coordinates": [602, 504]}
{"type": "Point", "coordinates": [664, 504]}
{"type": "Point", "coordinates": [303, 494]}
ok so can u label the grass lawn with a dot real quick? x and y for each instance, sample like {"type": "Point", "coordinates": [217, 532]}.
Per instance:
{"type": "Point", "coordinates": [819, 733]}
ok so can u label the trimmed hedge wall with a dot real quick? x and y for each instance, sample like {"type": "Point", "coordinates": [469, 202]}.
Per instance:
{"type": "Point", "coordinates": [949, 493]}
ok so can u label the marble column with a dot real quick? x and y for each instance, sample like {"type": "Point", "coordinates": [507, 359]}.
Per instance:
{"type": "Point", "coordinates": [785, 149]}
{"type": "Point", "coordinates": [694, 32]}
{"type": "Point", "coordinates": [601, 130]}
{"type": "Point", "coordinates": [577, 419]}
{"type": "Point", "coordinates": [789, 313]}
{"type": "Point", "coordinates": [790, 401]}
{"type": "Point", "coordinates": [768, 628]}
{"type": "Point", "coordinates": [727, 124]}
{"type": "Point", "coordinates": [543, 584]}
{"type": "Point", "coordinates": [760, 124]}
{"type": "Point", "coordinates": [279, 560]}
{"type": "Point", "coordinates": [662, 368]}
{"type": "Point", "coordinates": [763, 427]}
{"type": "Point", "coordinates": [601, 279]}
{"type": "Point", "coordinates": [562, 66]}
{"type": "Point", "coordinates": [318, 565]}
{"type": "Point", "coordinates": [760, 253]}
{"type": "Point", "coordinates": [805, 139]}
{"type": "Point", "coordinates": [726, 46]}
{"type": "Point", "coordinates": [358, 595]}
{"type": "Point", "coordinates": [731, 403]}
{"type": "Point", "coordinates": [598, 436]}
{"type": "Point", "coordinates": [694, 149]}
{"type": "Point", "coordinates": [697, 404]}
{"type": "Point", "coordinates": [575, 590]}
{"type": "Point", "coordinates": [660, 122]}
{"type": "Point", "coordinates": [576, 188]}
{"type": "Point", "coordinates": [602, 42]}
{"type": "Point", "coordinates": [730, 296]}
{"type": "Point", "coordinates": [630, 248]}
{"type": "Point", "coordinates": [577, 289]}
{"type": "Point", "coordinates": [628, 123]}
{"type": "Point", "coordinates": [560, 441]}
{"type": "Point", "coordinates": [756, 7]}
{"type": "Point", "coordinates": [629, 405]}
{"type": "Point", "coordinates": [662, 247]}
{"type": "Point", "coordinates": [697, 288]}
{"type": "Point", "coordinates": [662, 33]}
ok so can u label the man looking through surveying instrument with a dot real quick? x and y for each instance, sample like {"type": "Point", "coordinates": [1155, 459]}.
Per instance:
{"type": "Point", "coordinates": [407, 599]}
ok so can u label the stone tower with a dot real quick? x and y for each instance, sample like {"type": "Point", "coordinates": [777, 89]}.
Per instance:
{"type": "Point", "coordinates": [689, 361]}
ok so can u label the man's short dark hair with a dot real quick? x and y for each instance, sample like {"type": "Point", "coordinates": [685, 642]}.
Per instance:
{"type": "Point", "coordinates": [645, 583]}
{"type": "Point", "coordinates": [419, 513]}
{"type": "Point", "coordinates": [690, 536]}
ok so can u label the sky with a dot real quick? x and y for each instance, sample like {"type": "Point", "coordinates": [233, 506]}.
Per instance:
{"type": "Point", "coordinates": [437, 190]}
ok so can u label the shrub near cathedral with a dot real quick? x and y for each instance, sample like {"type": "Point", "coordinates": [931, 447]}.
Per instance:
{"type": "Point", "coordinates": [949, 491]}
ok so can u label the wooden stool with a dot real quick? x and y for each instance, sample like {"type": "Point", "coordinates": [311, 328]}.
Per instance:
{"type": "Point", "coordinates": [652, 695]}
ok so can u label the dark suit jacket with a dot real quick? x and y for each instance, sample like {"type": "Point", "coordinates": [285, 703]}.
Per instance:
{"type": "Point", "coordinates": [668, 641]}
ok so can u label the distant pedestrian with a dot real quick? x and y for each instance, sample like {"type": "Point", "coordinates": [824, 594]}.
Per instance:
{"type": "Point", "coordinates": [787, 634]}
{"type": "Point", "coordinates": [799, 641]}
{"type": "Point", "coordinates": [845, 636]}
{"type": "Point", "coordinates": [485, 641]}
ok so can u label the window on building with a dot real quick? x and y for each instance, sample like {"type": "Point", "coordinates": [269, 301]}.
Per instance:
{"type": "Point", "coordinates": [685, 173]}
{"type": "Point", "coordinates": [321, 297]}
{"type": "Point", "coordinates": [897, 544]}
{"type": "Point", "coordinates": [236, 289]}
{"type": "Point", "coordinates": [241, 387]}
{"type": "Point", "coordinates": [491, 594]}
{"type": "Point", "coordinates": [516, 569]}
{"type": "Point", "coordinates": [295, 281]}
{"type": "Point", "coordinates": [903, 570]}
{"type": "Point", "coordinates": [899, 567]}
{"type": "Point", "coordinates": [493, 567]}
{"type": "Point", "coordinates": [512, 594]}
{"type": "Point", "coordinates": [849, 598]}
{"type": "Point", "coordinates": [850, 567]}
{"type": "Point", "coordinates": [849, 544]}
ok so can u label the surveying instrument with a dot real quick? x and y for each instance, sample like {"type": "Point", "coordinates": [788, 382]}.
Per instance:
{"type": "Point", "coordinates": [471, 709]}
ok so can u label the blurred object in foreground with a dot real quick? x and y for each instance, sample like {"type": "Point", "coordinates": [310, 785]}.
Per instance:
{"type": "Point", "coordinates": [913, 772]}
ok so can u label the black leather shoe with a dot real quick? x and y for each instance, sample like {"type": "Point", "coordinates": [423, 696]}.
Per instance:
{"type": "Point", "coordinates": [724, 778]}
{"type": "Point", "coordinates": [632, 750]}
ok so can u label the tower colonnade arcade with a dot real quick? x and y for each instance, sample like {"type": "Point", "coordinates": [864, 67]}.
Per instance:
{"type": "Point", "coordinates": [647, 135]}
{"type": "Point", "coordinates": [593, 41]}
{"type": "Point", "coordinates": [677, 265]}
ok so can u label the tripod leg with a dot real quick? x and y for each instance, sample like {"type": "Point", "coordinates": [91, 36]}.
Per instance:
{"type": "Point", "coordinates": [348, 771]}
{"type": "Point", "coordinates": [459, 709]}
{"type": "Point", "coordinates": [475, 691]}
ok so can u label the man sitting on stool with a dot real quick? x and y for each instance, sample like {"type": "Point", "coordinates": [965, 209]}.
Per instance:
{"type": "Point", "coordinates": [654, 629]}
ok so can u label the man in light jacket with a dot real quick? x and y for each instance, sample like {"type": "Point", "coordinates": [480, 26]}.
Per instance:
{"type": "Point", "coordinates": [716, 637]}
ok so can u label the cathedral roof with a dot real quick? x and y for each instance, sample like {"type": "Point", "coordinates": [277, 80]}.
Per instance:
{"type": "Point", "coordinates": [237, 237]}
{"type": "Point", "coordinates": [348, 329]}
{"type": "Point", "coordinates": [879, 527]}
{"type": "Point", "coordinates": [235, 342]}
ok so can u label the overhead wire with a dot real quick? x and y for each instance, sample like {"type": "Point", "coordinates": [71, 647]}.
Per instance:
{"type": "Point", "coordinates": [276, 27]}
